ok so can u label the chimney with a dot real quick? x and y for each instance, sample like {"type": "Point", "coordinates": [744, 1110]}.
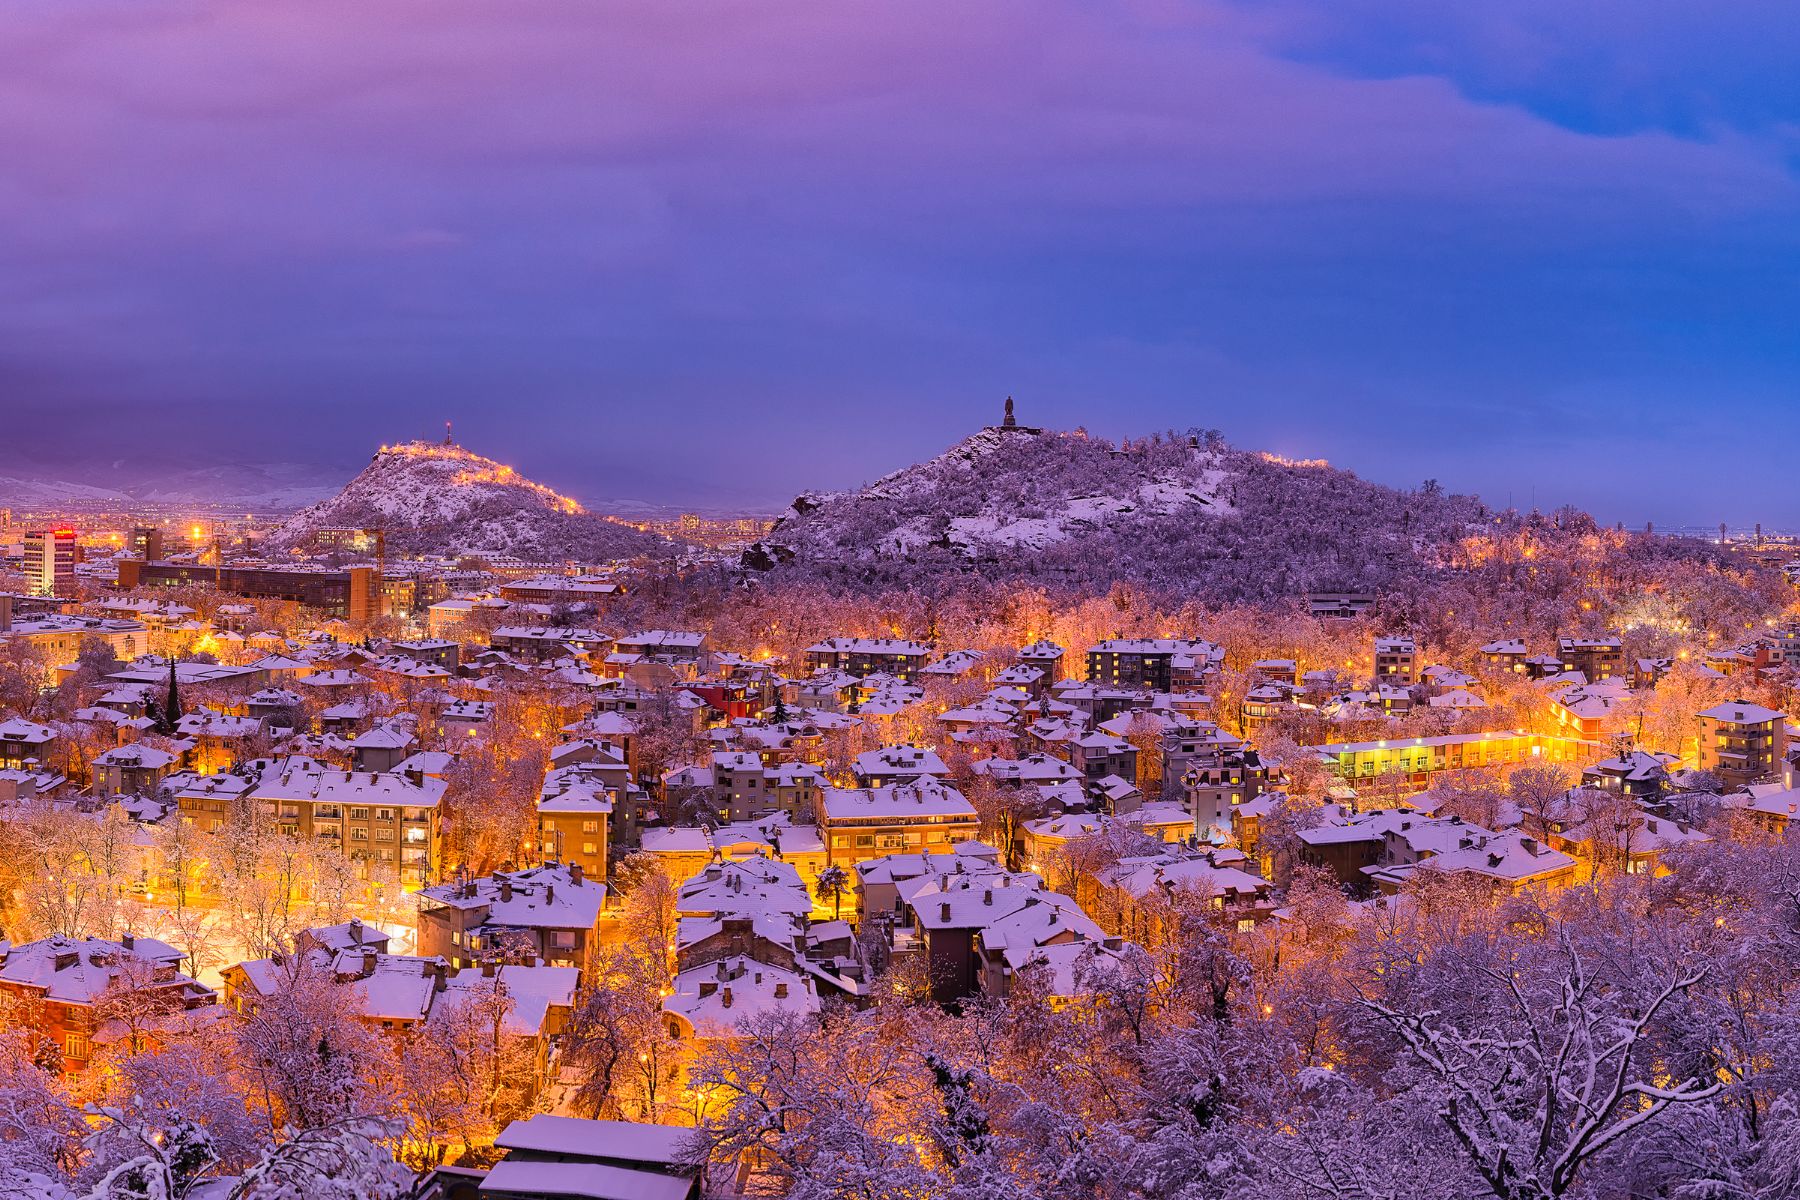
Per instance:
{"type": "Point", "coordinates": [440, 978]}
{"type": "Point", "coordinates": [368, 963]}
{"type": "Point", "coordinates": [128, 940]}
{"type": "Point", "coordinates": [487, 968]}
{"type": "Point", "coordinates": [505, 888]}
{"type": "Point", "coordinates": [575, 874]}
{"type": "Point", "coordinates": [549, 892]}
{"type": "Point", "coordinates": [356, 930]}
{"type": "Point", "coordinates": [987, 896]}
{"type": "Point", "coordinates": [725, 998]}
{"type": "Point", "coordinates": [944, 914]}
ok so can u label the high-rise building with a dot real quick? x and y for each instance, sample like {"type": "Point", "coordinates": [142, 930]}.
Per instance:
{"type": "Point", "coordinates": [50, 562]}
{"type": "Point", "coordinates": [147, 543]}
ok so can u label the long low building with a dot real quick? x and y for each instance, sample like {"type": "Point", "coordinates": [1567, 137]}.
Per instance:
{"type": "Point", "coordinates": [1414, 760]}
{"type": "Point", "coordinates": [370, 816]}
{"type": "Point", "coordinates": [355, 593]}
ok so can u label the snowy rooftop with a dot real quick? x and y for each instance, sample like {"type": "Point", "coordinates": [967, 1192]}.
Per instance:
{"type": "Point", "coordinates": [923, 799]}
{"type": "Point", "coordinates": [617, 1141]}
{"type": "Point", "coordinates": [865, 645]}
{"type": "Point", "coordinates": [716, 997]}
{"type": "Point", "coordinates": [545, 897]}
{"type": "Point", "coordinates": [303, 779]}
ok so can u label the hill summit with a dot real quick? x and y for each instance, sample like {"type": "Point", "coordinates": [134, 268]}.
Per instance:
{"type": "Point", "coordinates": [439, 498]}
{"type": "Point", "coordinates": [1184, 511]}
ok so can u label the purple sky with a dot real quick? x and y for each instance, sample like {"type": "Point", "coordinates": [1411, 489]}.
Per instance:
{"type": "Point", "coordinates": [717, 252]}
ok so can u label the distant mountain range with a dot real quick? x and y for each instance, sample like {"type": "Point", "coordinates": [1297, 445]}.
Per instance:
{"type": "Point", "coordinates": [269, 487]}
{"type": "Point", "coordinates": [1182, 511]}
{"type": "Point", "coordinates": [439, 498]}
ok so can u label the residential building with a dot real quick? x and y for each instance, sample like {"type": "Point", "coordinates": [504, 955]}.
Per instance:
{"type": "Point", "coordinates": [866, 656]}
{"type": "Point", "coordinates": [1214, 785]}
{"type": "Point", "coordinates": [686, 850]}
{"type": "Point", "coordinates": [1143, 662]}
{"type": "Point", "coordinates": [50, 558]}
{"type": "Point", "coordinates": [73, 990]}
{"type": "Point", "coordinates": [353, 594]}
{"type": "Point", "coordinates": [897, 764]}
{"type": "Point", "coordinates": [544, 643]}
{"type": "Point", "coordinates": [547, 1157]}
{"type": "Point", "coordinates": [1396, 661]}
{"type": "Point", "coordinates": [1637, 774]}
{"type": "Point", "coordinates": [1743, 743]}
{"type": "Point", "coordinates": [548, 914]}
{"type": "Point", "coordinates": [741, 787]}
{"type": "Point", "coordinates": [372, 817]}
{"type": "Point", "coordinates": [925, 814]}
{"type": "Point", "coordinates": [560, 590]}
{"type": "Point", "coordinates": [574, 812]}
{"type": "Point", "coordinates": [1046, 657]}
{"type": "Point", "coordinates": [1596, 658]}
{"type": "Point", "coordinates": [1507, 655]}
{"type": "Point", "coordinates": [23, 742]}
{"type": "Point", "coordinates": [135, 769]}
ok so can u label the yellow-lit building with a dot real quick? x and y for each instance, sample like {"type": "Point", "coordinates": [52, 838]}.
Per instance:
{"type": "Point", "coordinates": [372, 817]}
{"type": "Point", "coordinates": [1413, 761]}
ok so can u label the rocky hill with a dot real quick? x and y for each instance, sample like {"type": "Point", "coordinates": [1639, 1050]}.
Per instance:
{"type": "Point", "coordinates": [1181, 511]}
{"type": "Point", "coordinates": [438, 498]}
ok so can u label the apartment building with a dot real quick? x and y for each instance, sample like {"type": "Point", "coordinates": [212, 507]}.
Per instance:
{"type": "Point", "coordinates": [574, 814]}
{"type": "Point", "coordinates": [1396, 661]}
{"type": "Point", "coordinates": [50, 558]}
{"type": "Point", "coordinates": [865, 656]}
{"type": "Point", "coordinates": [1596, 658]}
{"type": "Point", "coordinates": [923, 815]}
{"type": "Point", "coordinates": [1143, 662]}
{"type": "Point", "coordinates": [1744, 743]}
{"type": "Point", "coordinates": [373, 817]}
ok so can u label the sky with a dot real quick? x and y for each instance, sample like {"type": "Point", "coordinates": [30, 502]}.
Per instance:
{"type": "Point", "coordinates": [716, 253]}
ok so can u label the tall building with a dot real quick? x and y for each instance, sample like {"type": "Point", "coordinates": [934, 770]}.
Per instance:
{"type": "Point", "coordinates": [147, 543]}
{"type": "Point", "coordinates": [50, 562]}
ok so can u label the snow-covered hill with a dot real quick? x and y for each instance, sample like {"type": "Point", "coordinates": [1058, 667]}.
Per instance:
{"type": "Point", "coordinates": [47, 493]}
{"type": "Point", "coordinates": [258, 487]}
{"type": "Point", "coordinates": [435, 498]}
{"type": "Point", "coordinates": [1183, 511]}
{"type": "Point", "coordinates": [253, 487]}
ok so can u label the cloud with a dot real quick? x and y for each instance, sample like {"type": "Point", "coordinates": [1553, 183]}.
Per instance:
{"type": "Point", "coordinates": [585, 216]}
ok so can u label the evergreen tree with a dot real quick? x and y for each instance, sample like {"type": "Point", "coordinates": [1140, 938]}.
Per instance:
{"type": "Point", "coordinates": [169, 717]}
